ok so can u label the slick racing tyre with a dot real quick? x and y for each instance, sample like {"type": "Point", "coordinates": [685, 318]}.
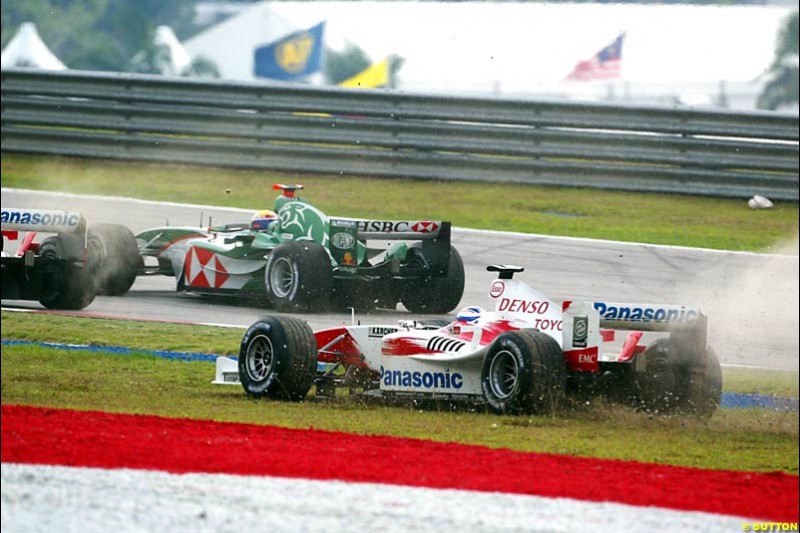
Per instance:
{"type": "Point", "coordinates": [679, 378]}
{"type": "Point", "coordinates": [278, 359]}
{"type": "Point", "coordinates": [119, 258]}
{"type": "Point", "coordinates": [66, 285]}
{"type": "Point", "coordinates": [524, 373]}
{"type": "Point", "coordinates": [434, 294]}
{"type": "Point", "coordinates": [705, 393]}
{"type": "Point", "coordinates": [299, 277]}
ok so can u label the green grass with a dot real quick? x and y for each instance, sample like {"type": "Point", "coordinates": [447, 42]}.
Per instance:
{"type": "Point", "coordinates": [759, 381]}
{"type": "Point", "coordinates": [637, 217]}
{"type": "Point", "coordinates": [128, 333]}
{"type": "Point", "coordinates": [756, 440]}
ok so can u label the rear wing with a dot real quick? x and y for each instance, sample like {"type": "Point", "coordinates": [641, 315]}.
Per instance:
{"type": "Point", "coordinates": [347, 234]}
{"type": "Point", "coordinates": [399, 230]}
{"type": "Point", "coordinates": [686, 325]}
{"type": "Point", "coordinates": [649, 317]}
{"type": "Point", "coordinates": [41, 220]}
{"type": "Point", "coordinates": [70, 225]}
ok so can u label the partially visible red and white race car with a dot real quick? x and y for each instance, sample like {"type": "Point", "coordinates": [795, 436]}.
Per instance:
{"type": "Point", "coordinates": [526, 356]}
{"type": "Point", "coordinates": [70, 266]}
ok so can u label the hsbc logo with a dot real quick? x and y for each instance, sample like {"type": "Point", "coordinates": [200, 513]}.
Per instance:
{"type": "Point", "coordinates": [497, 289]}
{"type": "Point", "coordinates": [398, 226]}
{"type": "Point", "coordinates": [424, 227]}
{"type": "Point", "coordinates": [202, 268]}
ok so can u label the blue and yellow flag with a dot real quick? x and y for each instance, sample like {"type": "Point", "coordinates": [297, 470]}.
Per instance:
{"type": "Point", "coordinates": [295, 56]}
{"type": "Point", "coordinates": [376, 75]}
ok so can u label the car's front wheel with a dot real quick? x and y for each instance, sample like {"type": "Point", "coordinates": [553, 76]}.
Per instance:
{"type": "Point", "coordinates": [278, 358]}
{"type": "Point", "coordinates": [523, 373]}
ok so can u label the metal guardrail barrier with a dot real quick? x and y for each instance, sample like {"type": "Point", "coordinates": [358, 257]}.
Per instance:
{"type": "Point", "coordinates": [385, 133]}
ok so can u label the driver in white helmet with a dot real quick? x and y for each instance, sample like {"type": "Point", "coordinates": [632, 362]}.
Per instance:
{"type": "Point", "coordinates": [470, 315]}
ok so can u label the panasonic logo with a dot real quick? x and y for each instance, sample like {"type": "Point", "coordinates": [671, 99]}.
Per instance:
{"type": "Point", "coordinates": [417, 379]}
{"type": "Point", "coordinates": [645, 314]}
{"type": "Point", "coordinates": [36, 218]}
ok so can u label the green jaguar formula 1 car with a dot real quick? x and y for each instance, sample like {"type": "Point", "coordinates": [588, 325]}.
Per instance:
{"type": "Point", "coordinates": [296, 258]}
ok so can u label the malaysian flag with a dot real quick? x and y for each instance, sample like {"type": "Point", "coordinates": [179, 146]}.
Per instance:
{"type": "Point", "coordinates": [605, 64]}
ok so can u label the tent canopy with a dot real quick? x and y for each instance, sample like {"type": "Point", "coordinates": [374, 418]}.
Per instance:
{"type": "Point", "coordinates": [27, 49]}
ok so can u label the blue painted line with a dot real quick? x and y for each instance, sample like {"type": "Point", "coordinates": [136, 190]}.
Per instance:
{"type": "Point", "coordinates": [734, 400]}
{"type": "Point", "coordinates": [118, 350]}
{"type": "Point", "coordinates": [729, 400]}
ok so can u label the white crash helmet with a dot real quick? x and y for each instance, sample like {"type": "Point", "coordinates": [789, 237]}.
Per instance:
{"type": "Point", "coordinates": [470, 315]}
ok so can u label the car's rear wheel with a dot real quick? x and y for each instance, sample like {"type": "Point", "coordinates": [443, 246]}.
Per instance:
{"type": "Point", "coordinates": [298, 277]}
{"type": "Point", "coordinates": [119, 258]}
{"type": "Point", "coordinates": [678, 377]}
{"type": "Point", "coordinates": [66, 285]}
{"type": "Point", "coordinates": [523, 373]}
{"type": "Point", "coordinates": [434, 294]}
{"type": "Point", "coordinates": [278, 358]}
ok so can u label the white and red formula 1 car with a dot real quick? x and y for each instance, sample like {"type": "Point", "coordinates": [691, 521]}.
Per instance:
{"type": "Point", "coordinates": [526, 356]}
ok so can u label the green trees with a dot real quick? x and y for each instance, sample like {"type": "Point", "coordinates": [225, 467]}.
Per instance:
{"type": "Point", "coordinates": [97, 34]}
{"type": "Point", "coordinates": [118, 35]}
{"type": "Point", "coordinates": [781, 88]}
{"type": "Point", "coordinates": [340, 66]}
